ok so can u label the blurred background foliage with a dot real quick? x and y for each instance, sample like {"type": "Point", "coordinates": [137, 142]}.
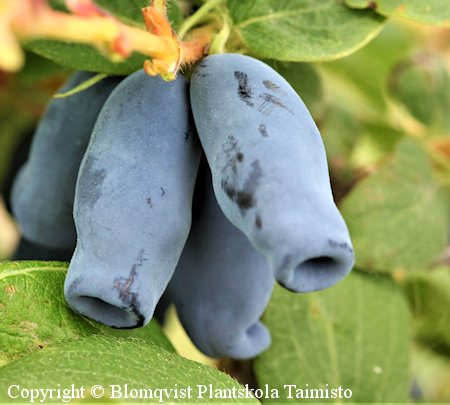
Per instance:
{"type": "Point", "coordinates": [384, 114]}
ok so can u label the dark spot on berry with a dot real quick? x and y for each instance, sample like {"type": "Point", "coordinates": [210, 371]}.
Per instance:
{"type": "Point", "coordinates": [91, 186]}
{"type": "Point", "coordinates": [244, 196]}
{"type": "Point", "coordinates": [270, 85]}
{"type": "Point", "coordinates": [126, 295]}
{"type": "Point", "coordinates": [263, 131]}
{"type": "Point", "coordinates": [149, 202]}
{"type": "Point", "coordinates": [231, 151]}
{"type": "Point", "coordinates": [244, 91]}
{"type": "Point", "coordinates": [163, 192]}
{"type": "Point", "coordinates": [258, 222]}
{"type": "Point", "coordinates": [240, 157]}
{"type": "Point", "coordinates": [342, 245]}
{"type": "Point", "coordinates": [243, 199]}
{"type": "Point", "coordinates": [269, 103]}
{"type": "Point", "coordinates": [74, 285]}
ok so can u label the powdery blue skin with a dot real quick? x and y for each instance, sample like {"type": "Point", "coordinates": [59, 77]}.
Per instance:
{"type": "Point", "coordinates": [269, 170]}
{"type": "Point", "coordinates": [43, 191]}
{"type": "Point", "coordinates": [221, 286]}
{"type": "Point", "coordinates": [133, 202]}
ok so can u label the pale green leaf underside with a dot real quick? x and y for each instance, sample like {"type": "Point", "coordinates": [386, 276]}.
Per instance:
{"type": "Point", "coordinates": [435, 12]}
{"type": "Point", "coordinates": [107, 360]}
{"type": "Point", "coordinates": [398, 217]}
{"type": "Point", "coordinates": [34, 314]}
{"type": "Point", "coordinates": [353, 335]}
{"type": "Point", "coordinates": [302, 30]}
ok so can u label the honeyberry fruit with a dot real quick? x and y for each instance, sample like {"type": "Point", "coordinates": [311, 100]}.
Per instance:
{"type": "Point", "coordinates": [43, 191]}
{"type": "Point", "coordinates": [133, 201]}
{"type": "Point", "coordinates": [221, 285]}
{"type": "Point", "coordinates": [269, 170]}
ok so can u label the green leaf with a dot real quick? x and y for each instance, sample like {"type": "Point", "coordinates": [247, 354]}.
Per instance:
{"type": "Point", "coordinates": [130, 11]}
{"type": "Point", "coordinates": [422, 85]}
{"type": "Point", "coordinates": [174, 14]}
{"type": "Point", "coordinates": [429, 297]}
{"type": "Point", "coordinates": [127, 11]}
{"type": "Point", "coordinates": [85, 57]}
{"type": "Point", "coordinates": [302, 30]}
{"type": "Point", "coordinates": [109, 361]}
{"type": "Point", "coordinates": [435, 12]}
{"type": "Point", "coordinates": [398, 217]}
{"type": "Point", "coordinates": [340, 131]}
{"type": "Point", "coordinates": [358, 82]}
{"type": "Point", "coordinates": [354, 335]}
{"type": "Point", "coordinates": [34, 312]}
{"type": "Point", "coordinates": [375, 143]}
{"type": "Point", "coordinates": [306, 81]}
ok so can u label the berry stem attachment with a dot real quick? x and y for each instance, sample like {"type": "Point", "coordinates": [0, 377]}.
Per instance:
{"type": "Point", "coordinates": [198, 16]}
{"type": "Point", "coordinates": [219, 42]}
{"type": "Point", "coordinates": [195, 48]}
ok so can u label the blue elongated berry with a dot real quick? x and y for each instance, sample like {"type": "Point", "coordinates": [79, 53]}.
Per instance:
{"type": "Point", "coordinates": [133, 201]}
{"type": "Point", "coordinates": [269, 170]}
{"type": "Point", "coordinates": [43, 191]}
{"type": "Point", "coordinates": [221, 286]}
